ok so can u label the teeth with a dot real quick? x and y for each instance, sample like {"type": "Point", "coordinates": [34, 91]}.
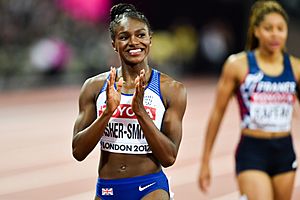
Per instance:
{"type": "Point", "coordinates": [135, 50]}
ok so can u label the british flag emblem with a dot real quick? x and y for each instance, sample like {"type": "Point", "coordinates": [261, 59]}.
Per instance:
{"type": "Point", "coordinates": [107, 191]}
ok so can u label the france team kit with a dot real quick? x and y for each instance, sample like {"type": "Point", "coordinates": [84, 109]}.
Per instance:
{"type": "Point", "coordinates": [123, 134]}
{"type": "Point", "coordinates": [266, 104]}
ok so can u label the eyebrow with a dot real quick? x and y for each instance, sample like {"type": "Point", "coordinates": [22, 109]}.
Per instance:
{"type": "Point", "coordinates": [138, 30]}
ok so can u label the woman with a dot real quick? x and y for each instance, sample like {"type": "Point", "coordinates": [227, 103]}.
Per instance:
{"type": "Point", "coordinates": [264, 78]}
{"type": "Point", "coordinates": [135, 112]}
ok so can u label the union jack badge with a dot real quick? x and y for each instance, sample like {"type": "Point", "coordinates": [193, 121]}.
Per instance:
{"type": "Point", "coordinates": [107, 191]}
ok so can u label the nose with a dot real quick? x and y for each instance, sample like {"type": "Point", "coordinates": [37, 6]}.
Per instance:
{"type": "Point", "coordinates": [133, 40]}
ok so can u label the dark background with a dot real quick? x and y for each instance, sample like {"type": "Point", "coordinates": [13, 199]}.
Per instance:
{"type": "Point", "coordinates": [42, 44]}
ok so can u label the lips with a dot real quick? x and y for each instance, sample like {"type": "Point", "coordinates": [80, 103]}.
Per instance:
{"type": "Point", "coordinates": [275, 44]}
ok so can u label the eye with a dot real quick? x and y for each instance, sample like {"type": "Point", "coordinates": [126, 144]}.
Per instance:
{"type": "Point", "coordinates": [281, 28]}
{"type": "Point", "coordinates": [141, 35]}
{"type": "Point", "coordinates": [268, 28]}
{"type": "Point", "coordinates": [122, 37]}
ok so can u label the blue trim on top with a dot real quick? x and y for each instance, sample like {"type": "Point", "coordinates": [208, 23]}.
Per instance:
{"type": "Point", "coordinates": [284, 76]}
{"type": "Point", "coordinates": [105, 84]}
{"type": "Point", "coordinates": [253, 67]}
{"type": "Point", "coordinates": [288, 70]}
{"type": "Point", "coordinates": [154, 84]}
{"type": "Point", "coordinates": [126, 94]}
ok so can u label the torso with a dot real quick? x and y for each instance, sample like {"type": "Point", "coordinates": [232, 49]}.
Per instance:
{"type": "Point", "coordinates": [123, 145]}
{"type": "Point", "coordinates": [266, 101]}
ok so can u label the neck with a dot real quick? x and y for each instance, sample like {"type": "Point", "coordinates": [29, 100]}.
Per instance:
{"type": "Point", "coordinates": [129, 73]}
{"type": "Point", "coordinates": [267, 56]}
{"type": "Point", "coordinates": [134, 70]}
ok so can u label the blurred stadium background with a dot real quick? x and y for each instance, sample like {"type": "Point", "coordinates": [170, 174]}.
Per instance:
{"type": "Point", "coordinates": [54, 42]}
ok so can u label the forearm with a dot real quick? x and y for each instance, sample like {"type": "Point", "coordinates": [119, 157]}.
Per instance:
{"type": "Point", "coordinates": [162, 147]}
{"type": "Point", "coordinates": [86, 140]}
{"type": "Point", "coordinates": [210, 137]}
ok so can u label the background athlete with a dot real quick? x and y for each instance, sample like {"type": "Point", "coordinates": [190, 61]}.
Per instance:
{"type": "Point", "coordinates": [265, 80]}
{"type": "Point", "coordinates": [135, 112]}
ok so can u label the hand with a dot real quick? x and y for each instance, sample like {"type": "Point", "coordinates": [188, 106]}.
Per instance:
{"type": "Point", "coordinates": [204, 178]}
{"type": "Point", "coordinates": [113, 96]}
{"type": "Point", "coordinates": [138, 97]}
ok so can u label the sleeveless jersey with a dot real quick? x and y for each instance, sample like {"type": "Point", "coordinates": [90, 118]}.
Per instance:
{"type": "Point", "coordinates": [266, 102]}
{"type": "Point", "coordinates": [123, 134]}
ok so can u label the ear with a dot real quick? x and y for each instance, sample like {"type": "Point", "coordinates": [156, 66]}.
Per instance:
{"type": "Point", "coordinates": [150, 41]}
{"type": "Point", "coordinates": [114, 46]}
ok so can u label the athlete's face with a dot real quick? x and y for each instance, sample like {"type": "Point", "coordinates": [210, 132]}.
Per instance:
{"type": "Point", "coordinates": [132, 41]}
{"type": "Point", "coordinates": [272, 32]}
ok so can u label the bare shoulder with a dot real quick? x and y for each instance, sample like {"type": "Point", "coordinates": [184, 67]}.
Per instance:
{"type": "Point", "coordinates": [172, 89]}
{"type": "Point", "coordinates": [100, 78]}
{"type": "Point", "coordinates": [92, 85]}
{"type": "Point", "coordinates": [236, 60]}
{"type": "Point", "coordinates": [236, 66]}
{"type": "Point", "coordinates": [170, 83]}
{"type": "Point", "coordinates": [295, 61]}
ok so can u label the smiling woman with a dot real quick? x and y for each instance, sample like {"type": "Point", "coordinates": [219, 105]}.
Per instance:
{"type": "Point", "coordinates": [134, 112]}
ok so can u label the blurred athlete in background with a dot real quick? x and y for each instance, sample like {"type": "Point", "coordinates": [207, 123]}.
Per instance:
{"type": "Point", "coordinates": [265, 80]}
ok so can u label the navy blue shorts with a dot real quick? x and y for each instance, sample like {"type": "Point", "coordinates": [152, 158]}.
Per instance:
{"type": "Point", "coordinates": [131, 188]}
{"type": "Point", "coordinates": [273, 156]}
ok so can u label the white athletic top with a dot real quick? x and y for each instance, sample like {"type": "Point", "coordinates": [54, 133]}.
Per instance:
{"type": "Point", "coordinates": [123, 134]}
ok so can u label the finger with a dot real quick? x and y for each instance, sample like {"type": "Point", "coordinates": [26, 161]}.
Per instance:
{"type": "Point", "coordinates": [137, 87]}
{"type": "Point", "coordinates": [112, 75]}
{"type": "Point", "coordinates": [205, 185]}
{"type": "Point", "coordinates": [120, 84]}
{"type": "Point", "coordinates": [108, 86]}
{"type": "Point", "coordinates": [137, 79]}
{"type": "Point", "coordinates": [143, 78]}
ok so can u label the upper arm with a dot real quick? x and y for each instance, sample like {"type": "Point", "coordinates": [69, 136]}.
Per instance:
{"type": "Point", "coordinates": [296, 70]}
{"type": "Point", "coordinates": [230, 78]}
{"type": "Point", "coordinates": [175, 97]}
{"type": "Point", "coordinates": [87, 106]}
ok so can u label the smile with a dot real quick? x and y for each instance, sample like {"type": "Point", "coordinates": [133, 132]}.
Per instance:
{"type": "Point", "coordinates": [135, 50]}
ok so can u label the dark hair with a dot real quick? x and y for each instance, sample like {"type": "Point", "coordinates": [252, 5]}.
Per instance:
{"type": "Point", "coordinates": [118, 11]}
{"type": "Point", "coordinates": [258, 11]}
